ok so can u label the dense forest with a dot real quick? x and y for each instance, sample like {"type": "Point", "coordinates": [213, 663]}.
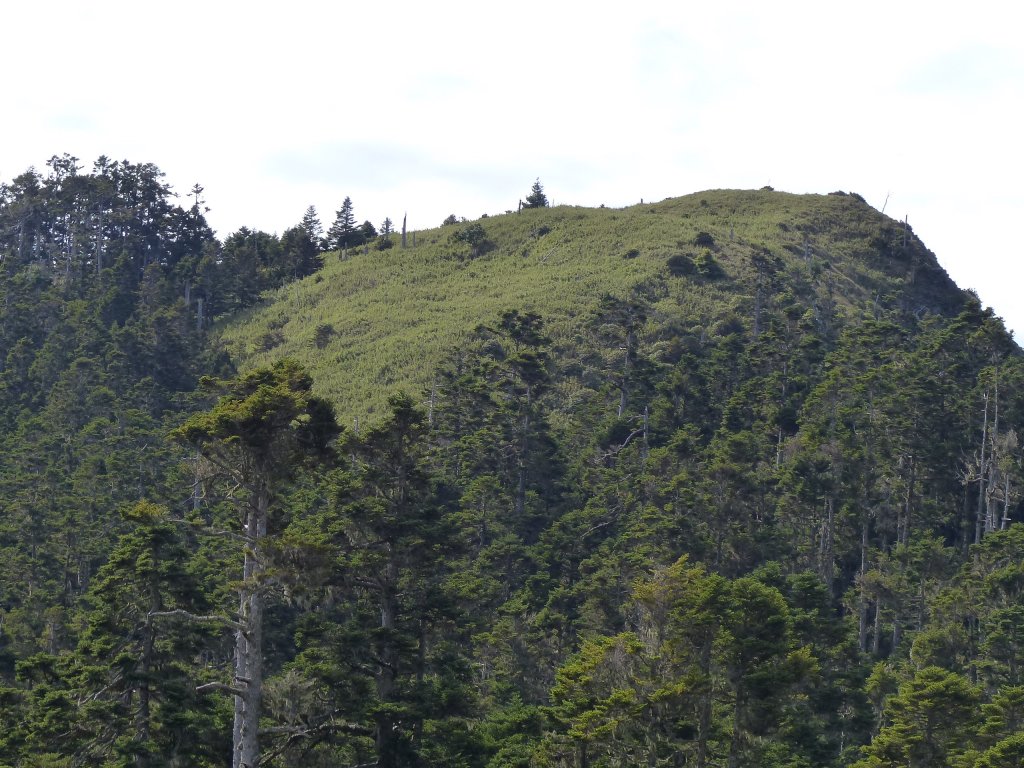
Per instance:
{"type": "Point", "coordinates": [733, 494]}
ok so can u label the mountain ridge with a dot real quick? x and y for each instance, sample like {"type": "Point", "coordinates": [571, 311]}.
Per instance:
{"type": "Point", "coordinates": [384, 313]}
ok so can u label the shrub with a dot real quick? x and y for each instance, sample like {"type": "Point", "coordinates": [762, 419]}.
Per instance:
{"type": "Point", "coordinates": [475, 236]}
{"type": "Point", "coordinates": [704, 240]}
{"type": "Point", "coordinates": [472, 235]}
{"type": "Point", "coordinates": [322, 335]}
{"type": "Point", "coordinates": [681, 265]}
{"type": "Point", "coordinates": [269, 341]}
{"type": "Point", "coordinates": [706, 265]}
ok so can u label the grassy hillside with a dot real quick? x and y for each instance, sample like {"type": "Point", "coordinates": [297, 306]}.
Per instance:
{"type": "Point", "coordinates": [386, 318]}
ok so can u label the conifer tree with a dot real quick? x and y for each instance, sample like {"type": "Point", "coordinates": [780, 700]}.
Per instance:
{"type": "Point", "coordinates": [141, 662]}
{"type": "Point", "coordinates": [536, 198]}
{"type": "Point", "coordinates": [300, 254]}
{"type": "Point", "coordinates": [929, 722]}
{"type": "Point", "coordinates": [343, 233]}
{"type": "Point", "coordinates": [400, 542]}
{"type": "Point", "coordinates": [265, 424]}
{"type": "Point", "coordinates": [312, 226]}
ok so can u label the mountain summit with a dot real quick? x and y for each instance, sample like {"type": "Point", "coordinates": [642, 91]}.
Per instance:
{"type": "Point", "coordinates": [377, 321]}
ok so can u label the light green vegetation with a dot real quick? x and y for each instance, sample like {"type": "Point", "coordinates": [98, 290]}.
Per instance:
{"type": "Point", "coordinates": [393, 315]}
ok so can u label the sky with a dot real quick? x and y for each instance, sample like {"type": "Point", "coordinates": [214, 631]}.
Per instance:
{"type": "Point", "coordinates": [431, 109]}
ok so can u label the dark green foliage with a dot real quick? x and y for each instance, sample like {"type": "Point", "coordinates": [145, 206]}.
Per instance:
{"type": "Point", "coordinates": [311, 225]}
{"type": "Point", "coordinates": [270, 413]}
{"type": "Point", "coordinates": [252, 262]}
{"type": "Point", "coordinates": [384, 241]}
{"type": "Point", "coordinates": [681, 265]}
{"type": "Point", "coordinates": [536, 198]}
{"type": "Point", "coordinates": [300, 255]}
{"type": "Point", "coordinates": [475, 237]}
{"type": "Point", "coordinates": [343, 233]}
{"type": "Point", "coordinates": [323, 335]}
{"type": "Point", "coordinates": [706, 265]}
{"type": "Point", "coordinates": [391, 649]}
{"type": "Point", "coordinates": [931, 720]}
{"type": "Point", "coordinates": [704, 240]}
{"type": "Point", "coordinates": [769, 520]}
{"type": "Point", "coordinates": [153, 711]}
{"type": "Point", "coordinates": [103, 341]}
{"type": "Point", "coordinates": [265, 427]}
{"type": "Point", "coordinates": [472, 235]}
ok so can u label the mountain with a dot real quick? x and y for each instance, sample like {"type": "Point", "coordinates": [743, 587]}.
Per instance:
{"type": "Point", "coordinates": [387, 318]}
{"type": "Point", "coordinates": [732, 479]}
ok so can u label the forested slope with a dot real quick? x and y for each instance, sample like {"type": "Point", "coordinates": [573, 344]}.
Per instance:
{"type": "Point", "coordinates": [727, 480]}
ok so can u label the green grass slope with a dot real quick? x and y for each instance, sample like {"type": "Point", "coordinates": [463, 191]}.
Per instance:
{"type": "Point", "coordinates": [393, 315]}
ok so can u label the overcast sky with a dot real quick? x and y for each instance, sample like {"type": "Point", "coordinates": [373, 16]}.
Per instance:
{"type": "Point", "coordinates": [456, 107]}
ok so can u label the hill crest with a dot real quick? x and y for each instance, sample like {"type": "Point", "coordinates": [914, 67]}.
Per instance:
{"type": "Point", "coordinates": [378, 321]}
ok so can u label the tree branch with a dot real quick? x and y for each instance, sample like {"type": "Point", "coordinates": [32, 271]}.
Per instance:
{"type": "Point", "coordinates": [228, 470]}
{"type": "Point", "coordinates": [299, 731]}
{"type": "Point", "coordinates": [209, 530]}
{"type": "Point", "coordinates": [598, 527]}
{"type": "Point", "coordinates": [296, 733]}
{"type": "Point", "coordinates": [207, 687]}
{"type": "Point", "coordinates": [615, 451]}
{"type": "Point", "coordinates": [211, 619]}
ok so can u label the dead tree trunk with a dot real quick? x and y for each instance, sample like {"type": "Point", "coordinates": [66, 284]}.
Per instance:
{"type": "Point", "coordinates": [249, 638]}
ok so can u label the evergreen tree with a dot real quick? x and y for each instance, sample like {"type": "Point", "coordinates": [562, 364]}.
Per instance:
{"type": "Point", "coordinates": [300, 254]}
{"type": "Point", "coordinates": [403, 541]}
{"type": "Point", "coordinates": [929, 722]}
{"type": "Point", "coordinates": [311, 225]}
{"type": "Point", "coordinates": [138, 667]}
{"type": "Point", "coordinates": [343, 233]}
{"type": "Point", "coordinates": [384, 241]}
{"type": "Point", "coordinates": [367, 232]}
{"type": "Point", "coordinates": [536, 198]}
{"type": "Point", "coordinates": [264, 425]}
